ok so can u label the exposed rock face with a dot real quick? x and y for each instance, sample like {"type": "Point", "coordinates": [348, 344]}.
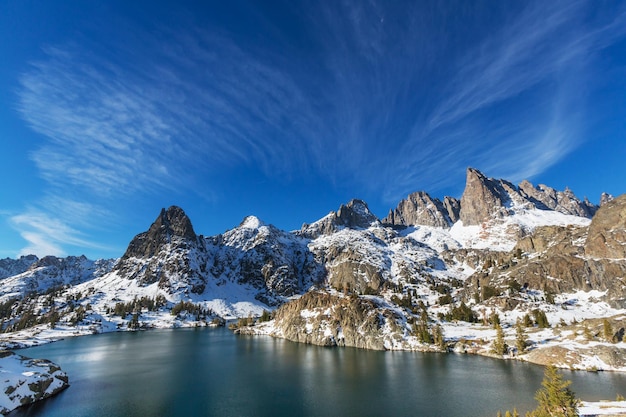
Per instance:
{"type": "Point", "coordinates": [482, 198]}
{"type": "Point", "coordinates": [453, 207]}
{"type": "Point", "coordinates": [544, 197]}
{"type": "Point", "coordinates": [607, 232]}
{"type": "Point", "coordinates": [354, 215]}
{"type": "Point", "coordinates": [421, 209]}
{"type": "Point", "coordinates": [172, 224]}
{"type": "Point", "coordinates": [486, 198]}
{"type": "Point", "coordinates": [168, 253]}
{"type": "Point", "coordinates": [323, 319]}
{"type": "Point", "coordinates": [558, 265]}
{"type": "Point", "coordinates": [605, 198]}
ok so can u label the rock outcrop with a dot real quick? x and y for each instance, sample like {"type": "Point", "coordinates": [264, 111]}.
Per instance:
{"type": "Point", "coordinates": [607, 232]}
{"type": "Point", "coordinates": [421, 209]}
{"type": "Point", "coordinates": [171, 226]}
{"type": "Point", "coordinates": [354, 215]}
{"type": "Point", "coordinates": [323, 319]}
{"type": "Point", "coordinates": [556, 259]}
{"type": "Point", "coordinates": [483, 198]}
{"type": "Point", "coordinates": [547, 198]}
{"type": "Point", "coordinates": [486, 198]}
{"type": "Point", "coordinates": [26, 380]}
{"type": "Point", "coordinates": [170, 253]}
{"type": "Point", "coordinates": [605, 198]}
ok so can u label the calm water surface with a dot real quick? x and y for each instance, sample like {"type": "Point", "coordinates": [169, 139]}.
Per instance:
{"type": "Point", "coordinates": [212, 372]}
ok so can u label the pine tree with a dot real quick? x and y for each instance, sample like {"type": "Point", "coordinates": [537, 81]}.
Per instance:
{"type": "Point", "coordinates": [520, 337]}
{"type": "Point", "coordinates": [555, 398]}
{"type": "Point", "coordinates": [527, 321]}
{"type": "Point", "coordinates": [499, 347]}
{"type": "Point", "coordinates": [495, 320]}
{"type": "Point", "coordinates": [438, 337]}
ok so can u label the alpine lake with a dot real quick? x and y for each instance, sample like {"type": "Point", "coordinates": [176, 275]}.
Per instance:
{"type": "Point", "coordinates": [213, 372]}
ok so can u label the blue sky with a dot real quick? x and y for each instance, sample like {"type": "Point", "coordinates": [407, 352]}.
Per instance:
{"type": "Point", "coordinates": [110, 110]}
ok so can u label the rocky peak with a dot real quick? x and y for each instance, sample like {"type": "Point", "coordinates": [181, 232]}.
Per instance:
{"type": "Point", "coordinates": [354, 215]}
{"type": "Point", "coordinates": [482, 197]}
{"type": "Point", "coordinates": [485, 197]}
{"type": "Point", "coordinates": [605, 198]}
{"type": "Point", "coordinates": [9, 267]}
{"type": "Point", "coordinates": [547, 198]}
{"type": "Point", "coordinates": [46, 261]}
{"type": "Point", "coordinates": [421, 209]}
{"type": "Point", "coordinates": [171, 224]}
{"type": "Point", "coordinates": [607, 232]}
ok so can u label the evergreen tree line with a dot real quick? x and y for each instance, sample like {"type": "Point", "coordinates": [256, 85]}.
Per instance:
{"type": "Point", "coordinates": [138, 304]}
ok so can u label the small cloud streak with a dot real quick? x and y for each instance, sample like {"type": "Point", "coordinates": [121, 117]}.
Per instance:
{"type": "Point", "coordinates": [46, 235]}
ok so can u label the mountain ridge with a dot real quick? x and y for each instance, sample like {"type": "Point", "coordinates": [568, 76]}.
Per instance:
{"type": "Point", "coordinates": [348, 279]}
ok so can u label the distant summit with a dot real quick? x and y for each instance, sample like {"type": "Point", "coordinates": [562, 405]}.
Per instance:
{"type": "Point", "coordinates": [354, 215]}
{"type": "Point", "coordinates": [171, 224]}
{"type": "Point", "coordinates": [485, 198]}
{"type": "Point", "coordinates": [421, 208]}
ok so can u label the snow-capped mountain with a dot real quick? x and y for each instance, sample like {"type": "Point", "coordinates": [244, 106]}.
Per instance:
{"type": "Point", "coordinates": [346, 279]}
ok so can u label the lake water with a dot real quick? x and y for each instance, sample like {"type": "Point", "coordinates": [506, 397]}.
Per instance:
{"type": "Point", "coordinates": [212, 372]}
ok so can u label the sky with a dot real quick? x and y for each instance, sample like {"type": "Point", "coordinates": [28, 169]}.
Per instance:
{"type": "Point", "coordinates": [111, 110]}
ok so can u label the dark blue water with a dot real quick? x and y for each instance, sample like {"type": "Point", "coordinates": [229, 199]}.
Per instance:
{"type": "Point", "coordinates": [211, 372]}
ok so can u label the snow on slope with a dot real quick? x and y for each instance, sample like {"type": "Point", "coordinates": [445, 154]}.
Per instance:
{"type": "Point", "coordinates": [51, 272]}
{"type": "Point", "coordinates": [501, 234]}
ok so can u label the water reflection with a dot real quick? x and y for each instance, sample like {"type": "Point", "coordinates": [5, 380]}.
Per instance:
{"type": "Point", "coordinates": [211, 372]}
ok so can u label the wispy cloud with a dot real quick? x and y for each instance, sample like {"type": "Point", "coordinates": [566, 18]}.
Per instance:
{"type": "Point", "coordinates": [199, 103]}
{"type": "Point", "coordinates": [514, 106]}
{"type": "Point", "coordinates": [47, 235]}
{"type": "Point", "coordinates": [372, 96]}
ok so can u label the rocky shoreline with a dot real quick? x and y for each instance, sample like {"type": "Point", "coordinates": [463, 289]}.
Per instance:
{"type": "Point", "coordinates": [26, 380]}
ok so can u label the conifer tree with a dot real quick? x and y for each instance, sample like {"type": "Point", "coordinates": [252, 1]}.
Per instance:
{"type": "Point", "coordinates": [499, 347]}
{"type": "Point", "coordinates": [527, 321]}
{"type": "Point", "coordinates": [495, 320]}
{"type": "Point", "coordinates": [555, 398]}
{"type": "Point", "coordinates": [520, 337]}
{"type": "Point", "coordinates": [438, 337]}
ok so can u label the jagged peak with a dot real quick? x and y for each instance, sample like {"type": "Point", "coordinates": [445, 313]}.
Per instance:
{"type": "Point", "coordinates": [175, 222]}
{"type": "Point", "coordinates": [606, 198]}
{"type": "Point", "coordinates": [419, 208]}
{"type": "Point", "coordinates": [353, 215]}
{"type": "Point", "coordinates": [170, 224]}
{"type": "Point", "coordinates": [485, 197]}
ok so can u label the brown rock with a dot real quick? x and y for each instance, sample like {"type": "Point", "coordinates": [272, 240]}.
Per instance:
{"type": "Point", "coordinates": [482, 198]}
{"type": "Point", "coordinates": [421, 209]}
{"type": "Point", "coordinates": [607, 232]}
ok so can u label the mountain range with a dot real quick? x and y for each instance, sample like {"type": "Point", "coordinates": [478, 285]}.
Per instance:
{"type": "Point", "coordinates": [432, 275]}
